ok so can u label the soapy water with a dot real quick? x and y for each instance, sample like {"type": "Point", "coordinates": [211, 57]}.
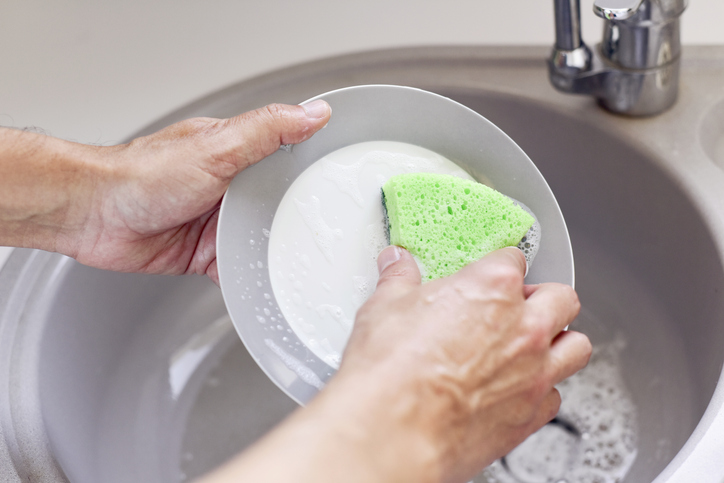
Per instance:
{"type": "Point", "coordinates": [327, 232]}
{"type": "Point", "coordinates": [594, 438]}
{"type": "Point", "coordinates": [530, 243]}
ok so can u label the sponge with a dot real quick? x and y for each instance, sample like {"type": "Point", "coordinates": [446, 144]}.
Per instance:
{"type": "Point", "coordinates": [448, 222]}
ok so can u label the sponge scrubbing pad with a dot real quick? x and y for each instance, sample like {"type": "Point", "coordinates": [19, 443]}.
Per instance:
{"type": "Point", "coordinates": [448, 222]}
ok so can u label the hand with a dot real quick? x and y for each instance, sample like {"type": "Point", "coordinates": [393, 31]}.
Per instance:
{"type": "Point", "coordinates": [470, 361]}
{"type": "Point", "coordinates": [157, 212]}
{"type": "Point", "coordinates": [147, 206]}
{"type": "Point", "coordinates": [437, 381]}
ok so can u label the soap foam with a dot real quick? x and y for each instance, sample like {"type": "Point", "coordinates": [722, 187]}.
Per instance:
{"type": "Point", "coordinates": [597, 403]}
{"type": "Point", "coordinates": [294, 365]}
{"type": "Point", "coordinates": [530, 243]}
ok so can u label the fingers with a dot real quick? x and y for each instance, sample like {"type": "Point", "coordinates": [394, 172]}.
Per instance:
{"type": "Point", "coordinates": [553, 304]}
{"type": "Point", "coordinates": [547, 410]}
{"type": "Point", "coordinates": [569, 353]}
{"type": "Point", "coordinates": [398, 271]}
{"type": "Point", "coordinates": [510, 256]}
{"type": "Point", "coordinates": [502, 271]}
{"type": "Point", "coordinates": [252, 136]}
{"type": "Point", "coordinates": [213, 273]}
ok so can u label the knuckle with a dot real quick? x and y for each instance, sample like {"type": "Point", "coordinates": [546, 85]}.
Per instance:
{"type": "Point", "coordinates": [537, 333]}
{"type": "Point", "coordinates": [394, 271]}
{"type": "Point", "coordinates": [522, 413]}
{"type": "Point", "coordinates": [587, 349]}
{"type": "Point", "coordinates": [505, 277]}
{"type": "Point", "coordinates": [540, 385]}
{"type": "Point", "coordinates": [554, 404]}
{"type": "Point", "coordinates": [197, 125]}
{"type": "Point", "coordinates": [277, 112]}
{"type": "Point", "coordinates": [572, 296]}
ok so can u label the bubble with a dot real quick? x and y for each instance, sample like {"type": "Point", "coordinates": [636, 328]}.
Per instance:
{"type": "Point", "coordinates": [530, 243]}
{"type": "Point", "coordinates": [292, 363]}
{"type": "Point", "coordinates": [597, 403]}
{"type": "Point", "coordinates": [362, 289]}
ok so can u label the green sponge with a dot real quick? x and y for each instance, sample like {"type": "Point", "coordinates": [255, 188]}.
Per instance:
{"type": "Point", "coordinates": [448, 222]}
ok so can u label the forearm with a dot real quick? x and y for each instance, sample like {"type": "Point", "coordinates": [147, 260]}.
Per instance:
{"type": "Point", "coordinates": [351, 432]}
{"type": "Point", "coordinates": [46, 188]}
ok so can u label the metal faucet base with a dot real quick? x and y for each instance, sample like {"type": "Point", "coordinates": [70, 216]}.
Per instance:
{"type": "Point", "coordinates": [635, 70]}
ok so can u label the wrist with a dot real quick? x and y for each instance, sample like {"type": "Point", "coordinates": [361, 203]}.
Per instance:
{"type": "Point", "coordinates": [48, 188]}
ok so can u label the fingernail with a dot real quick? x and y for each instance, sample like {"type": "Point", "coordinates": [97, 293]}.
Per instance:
{"type": "Point", "coordinates": [387, 257]}
{"type": "Point", "coordinates": [527, 268]}
{"type": "Point", "coordinates": [317, 109]}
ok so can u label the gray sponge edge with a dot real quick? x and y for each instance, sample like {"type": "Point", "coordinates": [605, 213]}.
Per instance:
{"type": "Point", "coordinates": [387, 217]}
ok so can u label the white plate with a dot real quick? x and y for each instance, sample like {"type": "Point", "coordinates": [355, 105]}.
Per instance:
{"type": "Point", "coordinates": [359, 114]}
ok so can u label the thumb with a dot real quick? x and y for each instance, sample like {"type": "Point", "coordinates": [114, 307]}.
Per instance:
{"type": "Point", "coordinates": [398, 271]}
{"type": "Point", "coordinates": [254, 135]}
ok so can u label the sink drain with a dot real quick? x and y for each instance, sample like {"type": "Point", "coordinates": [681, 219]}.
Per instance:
{"type": "Point", "coordinates": [547, 455]}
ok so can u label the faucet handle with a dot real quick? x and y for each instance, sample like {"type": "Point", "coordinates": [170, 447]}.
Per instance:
{"type": "Point", "coordinates": [616, 9]}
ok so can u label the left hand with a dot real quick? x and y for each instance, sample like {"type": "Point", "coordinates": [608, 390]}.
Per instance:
{"type": "Point", "coordinates": [157, 210]}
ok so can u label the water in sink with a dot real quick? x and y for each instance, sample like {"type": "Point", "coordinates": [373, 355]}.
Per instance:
{"type": "Point", "coordinates": [594, 437]}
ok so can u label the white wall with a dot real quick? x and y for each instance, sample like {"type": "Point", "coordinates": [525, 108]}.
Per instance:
{"type": "Point", "coordinates": [95, 71]}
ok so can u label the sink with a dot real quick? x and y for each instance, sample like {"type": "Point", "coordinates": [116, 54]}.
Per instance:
{"type": "Point", "coordinates": [120, 377]}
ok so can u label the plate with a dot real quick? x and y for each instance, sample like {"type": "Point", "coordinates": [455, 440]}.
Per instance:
{"type": "Point", "coordinates": [360, 114]}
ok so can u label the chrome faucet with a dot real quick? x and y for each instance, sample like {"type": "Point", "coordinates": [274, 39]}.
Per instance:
{"type": "Point", "coordinates": [635, 69]}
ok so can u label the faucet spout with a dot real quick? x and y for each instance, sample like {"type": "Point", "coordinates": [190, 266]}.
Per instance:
{"type": "Point", "coordinates": [635, 69]}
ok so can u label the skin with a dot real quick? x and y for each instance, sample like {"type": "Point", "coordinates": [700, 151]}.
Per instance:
{"type": "Point", "coordinates": [437, 381]}
{"type": "Point", "coordinates": [149, 206]}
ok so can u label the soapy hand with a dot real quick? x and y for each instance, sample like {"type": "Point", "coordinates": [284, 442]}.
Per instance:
{"type": "Point", "coordinates": [470, 360]}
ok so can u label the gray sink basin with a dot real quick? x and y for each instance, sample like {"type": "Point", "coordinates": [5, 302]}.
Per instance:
{"type": "Point", "coordinates": [126, 378]}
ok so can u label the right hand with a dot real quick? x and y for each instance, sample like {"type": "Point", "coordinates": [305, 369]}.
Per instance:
{"type": "Point", "coordinates": [469, 362]}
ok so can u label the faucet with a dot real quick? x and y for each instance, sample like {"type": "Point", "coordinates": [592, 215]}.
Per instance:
{"type": "Point", "coordinates": [635, 69]}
